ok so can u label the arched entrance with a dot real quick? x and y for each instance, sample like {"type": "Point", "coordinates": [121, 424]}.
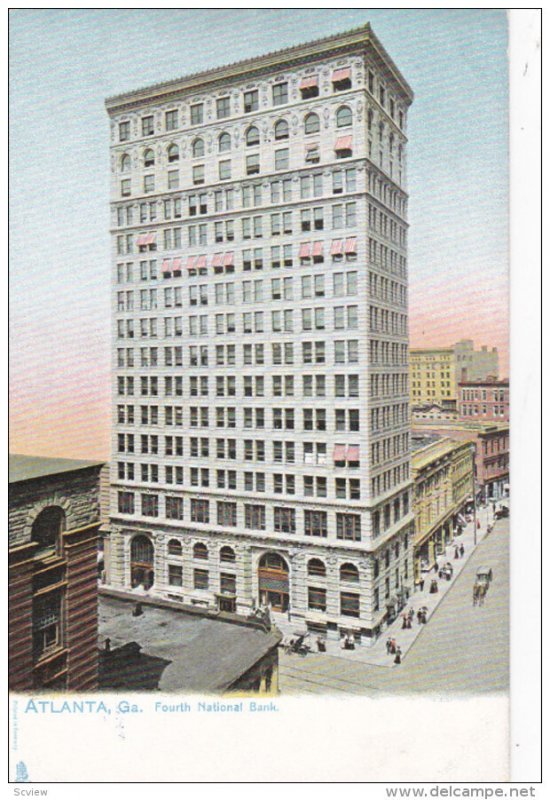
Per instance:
{"type": "Point", "coordinates": [273, 583]}
{"type": "Point", "coordinates": [142, 559]}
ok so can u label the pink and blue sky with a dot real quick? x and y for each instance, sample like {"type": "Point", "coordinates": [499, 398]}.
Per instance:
{"type": "Point", "coordinates": [63, 63]}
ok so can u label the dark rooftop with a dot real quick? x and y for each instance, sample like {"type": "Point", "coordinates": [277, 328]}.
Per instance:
{"type": "Point", "coordinates": [188, 652]}
{"type": "Point", "coordinates": [26, 468]}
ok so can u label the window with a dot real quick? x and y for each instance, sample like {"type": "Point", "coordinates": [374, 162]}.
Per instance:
{"type": "Point", "coordinates": [148, 184]}
{"type": "Point", "coordinates": [228, 583]}
{"type": "Point", "coordinates": [349, 604]}
{"type": "Point", "coordinates": [284, 520]}
{"type": "Point", "coordinates": [173, 179]}
{"type": "Point", "coordinates": [147, 127]}
{"type": "Point", "coordinates": [316, 568]}
{"type": "Point", "coordinates": [316, 599]}
{"type": "Point", "coordinates": [251, 101]}
{"type": "Point", "coordinates": [174, 510]}
{"type": "Point", "coordinates": [171, 120]}
{"type": "Point", "coordinates": [197, 114]}
{"type": "Point", "coordinates": [125, 188]}
{"type": "Point", "coordinates": [148, 158]}
{"type": "Point", "coordinates": [47, 632]}
{"type": "Point", "coordinates": [252, 136]}
{"type": "Point", "coordinates": [309, 87]}
{"type": "Point", "coordinates": [198, 178]}
{"type": "Point", "coordinates": [125, 163]}
{"type": "Point", "coordinates": [281, 159]}
{"type": "Point", "coordinates": [223, 107]}
{"type": "Point", "coordinates": [341, 79]}
{"type": "Point", "coordinates": [175, 547]}
{"type": "Point", "coordinates": [200, 510]}
{"type": "Point", "coordinates": [280, 94]}
{"type": "Point", "coordinates": [123, 131]}
{"type": "Point", "coordinates": [350, 573]}
{"type": "Point", "coordinates": [254, 517]}
{"type": "Point", "coordinates": [227, 513]}
{"type": "Point", "coordinates": [224, 143]}
{"type": "Point", "coordinates": [175, 575]}
{"type": "Point", "coordinates": [348, 526]}
{"type": "Point", "coordinates": [252, 165]}
{"type": "Point", "coordinates": [150, 505]}
{"type": "Point", "coordinates": [48, 527]}
{"type": "Point", "coordinates": [312, 124]}
{"type": "Point", "coordinates": [227, 555]}
{"type": "Point", "coordinates": [173, 153]}
{"type": "Point", "coordinates": [200, 579]}
{"type": "Point", "coordinates": [344, 117]}
{"type": "Point", "coordinates": [224, 168]}
{"type": "Point", "coordinates": [281, 129]}
{"type": "Point", "coordinates": [200, 551]}
{"type": "Point", "coordinates": [315, 523]}
{"type": "Point", "coordinates": [197, 148]}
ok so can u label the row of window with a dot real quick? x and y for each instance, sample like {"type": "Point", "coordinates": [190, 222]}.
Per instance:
{"type": "Point", "coordinates": [309, 89]}
{"type": "Point", "coordinates": [251, 196]}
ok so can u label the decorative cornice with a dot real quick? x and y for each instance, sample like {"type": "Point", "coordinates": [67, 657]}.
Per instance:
{"type": "Point", "coordinates": [354, 40]}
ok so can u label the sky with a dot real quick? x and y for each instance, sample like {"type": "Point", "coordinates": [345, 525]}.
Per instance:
{"type": "Point", "coordinates": [64, 63]}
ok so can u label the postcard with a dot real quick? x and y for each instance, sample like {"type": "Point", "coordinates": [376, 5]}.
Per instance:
{"type": "Point", "coordinates": [259, 478]}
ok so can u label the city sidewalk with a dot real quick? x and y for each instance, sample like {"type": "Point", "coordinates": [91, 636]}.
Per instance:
{"type": "Point", "coordinates": [376, 654]}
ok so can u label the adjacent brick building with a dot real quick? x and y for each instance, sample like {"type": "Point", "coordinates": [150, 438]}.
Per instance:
{"type": "Point", "coordinates": [486, 401]}
{"type": "Point", "coordinates": [53, 531]}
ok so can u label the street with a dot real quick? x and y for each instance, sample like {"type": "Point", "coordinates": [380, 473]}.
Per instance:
{"type": "Point", "coordinates": [463, 649]}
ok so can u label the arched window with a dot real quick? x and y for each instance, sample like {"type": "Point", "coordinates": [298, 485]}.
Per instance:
{"type": "Point", "coordinates": [312, 123]}
{"type": "Point", "coordinates": [173, 153]}
{"type": "Point", "coordinates": [344, 117]}
{"type": "Point", "coordinates": [227, 554]}
{"type": "Point", "coordinates": [47, 529]}
{"type": "Point", "coordinates": [148, 158]}
{"type": "Point", "coordinates": [142, 550]}
{"type": "Point", "coordinates": [252, 136]}
{"type": "Point", "coordinates": [200, 550]}
{"type": "Point", "coordinates": [224, 143]}
{"type": "Point", "coordinates": [273, 561]}
{"type": "Point", "coordinates": [174, 547]}
{"type": "Point", "coordinates": [370, 119]}
{"type": "Point", "coordinates": [350, 573]}
{"type": "Point", "coordinates": [391, 140]}
{"type": "Point", "coordinates": [281, 129]}
{"type": "Point", "coordinates": [197, 148]}
{"type": "Point", "coordinates": [125, 163]}
{"type": "Point", "coordinates": [316, 567]}
{"type": "Point", "coordinates": [381, 130]}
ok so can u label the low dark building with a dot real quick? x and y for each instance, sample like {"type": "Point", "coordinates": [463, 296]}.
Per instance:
{"type": "Point", "coordinates": [53, 532]}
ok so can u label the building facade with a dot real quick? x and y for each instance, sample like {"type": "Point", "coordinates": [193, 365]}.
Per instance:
{"type": "Point", "coordinates": [53, 533]}
{"type": "Point", "coordinates": [436, 372]}
{"type": "Point", "coordinates": [487, 400]}
{"type": "Point", "coordinates": [260, 351]}
{"type": "Point", "coordinates": [443, 473]}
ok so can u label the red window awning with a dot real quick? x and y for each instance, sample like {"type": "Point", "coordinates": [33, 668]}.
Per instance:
{"type": "Point", "coordinates": [312, 146]}
{"type": "Point", "coordinates": [191, 262]}
{"type": "Point", "coordinates": [352, 453]}
{"type": "Point", "coordinates": [228, 260]}
{"type": "Point", "coordinates": [351, 245]}
{"type": "Point", "coordinates": [336, 247]}
{"type": "Point", "coordinates": [217, 260]}
{"type": "Point", "coordinates": [343, 74]}
{"type": "Point", "coordinates": [308, 83]}
{"type": "Point", "coordinates": [305, 250]}
{"type": "Point", "coordinates": [167, 265]}
{"type": "Point", "coordinates": [142, 239]}
{"type": "Point", "coordinates": [317, 249]}
{"type": "Point", "coordinates": [339, 453]}
{"type": "Point", "coordinates": [201, 262]}
{"type": "Point", "coordinates": [343, 143]}
{"type": "Point", "coordinates": [176, 265]}
{"type": "Point", "coordinates": [151, 238]}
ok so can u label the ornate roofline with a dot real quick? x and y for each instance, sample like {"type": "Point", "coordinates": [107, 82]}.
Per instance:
{"type": "Point", "coordinates": [358, 37]}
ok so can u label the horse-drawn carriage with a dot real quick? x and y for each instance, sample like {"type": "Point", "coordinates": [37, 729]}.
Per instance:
{"type": "Point", "coordinates": [484, 576]}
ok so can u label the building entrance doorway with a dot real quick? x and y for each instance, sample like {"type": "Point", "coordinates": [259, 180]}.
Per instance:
{"type": "Point", "coordinates": [142, 559]}
{"type": "Point", "coordinates": [273, 581]}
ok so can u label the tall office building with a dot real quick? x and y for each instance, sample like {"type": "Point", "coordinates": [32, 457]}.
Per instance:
{"type": "Point", "coordinates": [260, 347]}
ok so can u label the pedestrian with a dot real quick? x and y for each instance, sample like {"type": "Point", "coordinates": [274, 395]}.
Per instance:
{"type": "Point", "coordinates": [397, 659]}
{"type": "Point", "coordinates": [404, 618]}
{"type": "Point", "coordinates": [478, 524]}
{"type": "Point", "coordinates": [456, 552]}
{"type": "Point", "coordinates": [434, 587]}
{"type": "Point", "coordinates": [461, 551]}
{"type": "Point", "coordinates": [393, 646]}
{"type": "Point", "coordinates": [419, 616]}
{"type": "Point", "coordinates": [421, 584]}
{"type": "Point", "coordinates": [388, 645]}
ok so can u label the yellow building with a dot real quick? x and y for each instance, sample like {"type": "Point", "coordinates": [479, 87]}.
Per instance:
{"type": "Point", "coordinates": [442, 475]}
{"type": "Point", "coordinates": [433, 376]}
{"type": "Point", "coordinates": [436, 372]}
